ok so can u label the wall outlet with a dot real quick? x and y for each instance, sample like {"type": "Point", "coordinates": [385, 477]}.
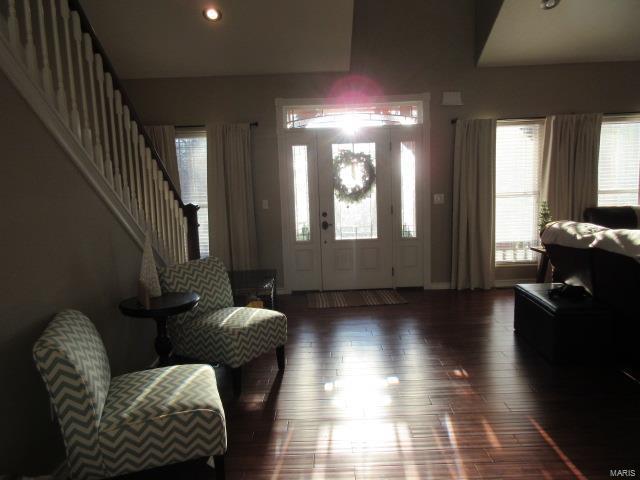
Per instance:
{"type": "Point", "coordinates": [438, 198]}
{"type": "Point", "coordinates": [265, 204]}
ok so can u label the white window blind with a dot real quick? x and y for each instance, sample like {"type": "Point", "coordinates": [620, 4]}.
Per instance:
{"type": "Point", "coordinates": [518, 156]}
{"type": "Point", "coordinates": [191, 149]}
{"type": "Point", "coordinates": [619, 162]}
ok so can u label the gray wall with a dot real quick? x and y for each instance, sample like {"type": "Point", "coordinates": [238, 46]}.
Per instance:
{"type": "Point", "coordinates": [60, 247]}
{"type": "Point", "coordinates": [408, 47]}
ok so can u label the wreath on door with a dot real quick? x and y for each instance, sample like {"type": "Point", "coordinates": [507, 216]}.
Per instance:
{"type": "Point", "coordinates": [362, 172]}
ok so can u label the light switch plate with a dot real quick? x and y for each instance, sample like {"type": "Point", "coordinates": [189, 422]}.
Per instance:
{"type": "Point", "coordinates": [438, 198]}
{"type": "Point", "coordinates": [265, 204]}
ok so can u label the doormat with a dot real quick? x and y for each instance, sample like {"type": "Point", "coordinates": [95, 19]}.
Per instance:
{"type": "Point", "coordinates": [354, 298]}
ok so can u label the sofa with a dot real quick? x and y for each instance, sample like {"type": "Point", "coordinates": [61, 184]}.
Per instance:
{"type": "Point", "coordinates": [606, 262]}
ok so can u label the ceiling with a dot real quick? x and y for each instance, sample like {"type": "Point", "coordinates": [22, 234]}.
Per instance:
{"type": "Point", "coordinates": [575, 31]}
{"type": "Point", "coordinates": [171, 38]}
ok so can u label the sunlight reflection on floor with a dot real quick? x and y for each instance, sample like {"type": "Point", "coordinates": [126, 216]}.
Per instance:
{"type": "Point", "coordinates": [363, 396]}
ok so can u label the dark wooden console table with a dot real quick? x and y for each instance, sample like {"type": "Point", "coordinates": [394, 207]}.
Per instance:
{"type": "Point", "coordinates": [260, 284]}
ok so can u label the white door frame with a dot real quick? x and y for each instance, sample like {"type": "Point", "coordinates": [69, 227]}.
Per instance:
{"type": "Point", "coordinates": [286, 138]}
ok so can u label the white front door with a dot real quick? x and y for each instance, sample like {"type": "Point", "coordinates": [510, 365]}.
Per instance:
{"type": "Point", "coordinates": [355, 236]}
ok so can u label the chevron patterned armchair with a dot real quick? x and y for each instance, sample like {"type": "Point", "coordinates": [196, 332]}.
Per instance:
{"type": "Point", "coordinates": [128, 423]}
{"type": "Point", "coordinates": [215, 331]}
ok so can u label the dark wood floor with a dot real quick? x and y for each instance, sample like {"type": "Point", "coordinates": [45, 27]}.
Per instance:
{"type": "Point", "coordinates": [437, 388]}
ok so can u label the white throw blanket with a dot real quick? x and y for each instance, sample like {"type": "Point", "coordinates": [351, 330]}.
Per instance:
{"type": "Point", "coordinates": [587, 235]}
{"type": "Point", "coordinates": [623, 242]}
{"type": "Point", "coordinates": [571, 234]}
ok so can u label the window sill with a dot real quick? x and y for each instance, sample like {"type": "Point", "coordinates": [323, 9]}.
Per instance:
{"type": "Point", "coordinates": [516, 264]}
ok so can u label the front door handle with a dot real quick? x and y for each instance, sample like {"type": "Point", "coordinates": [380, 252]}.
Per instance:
{"type": "Point", "coordinates": [325, 225]}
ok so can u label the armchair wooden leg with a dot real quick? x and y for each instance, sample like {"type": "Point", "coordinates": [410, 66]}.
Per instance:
{"type": "Point", "coordinates": [218, 461]}
{"type": "Point", "coordinates": [281, 357]}
{"type": "Point", "coordinates": [236, 376]}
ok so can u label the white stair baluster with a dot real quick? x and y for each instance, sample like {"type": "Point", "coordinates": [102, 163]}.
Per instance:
{"type": "Point", "coordinates": [108, 164]}
{"type": "Point", "coordinates": [156, 199]}
{"type": "Point", "coordinates": [129, 156]}
{"type": "Point", "coordinates": [177, 215]}
{"type": "Point", "coordinates": [167, 210]}
{"type": "Point", "coordinates": [95, 125]}
{"type": "Point", "coordinates": [174, 221]}
{"type": "Point", "coordinates": [163, 212]}
{"type": "Point", "coordinates": [30, 47]}
{"type": "Point", "coordinates": [150, 190]}
{"type": "Point", "coordinates": [86, 127]}
{"type": "Point", "coordinates": [173, 226]}
{"type": "Point", "coordinates": [136, 164]}
{"type": "Point", "coordinates": [142, 151]}
{"type": "Point", "coordinates": [74, 115]}
{"type": "Point", "coordinates": [61, 96]}
{"type": "Point", "coordinates": [122, 154]}
{"type": "Point", "coordinates": [135, 159]}
{"type": "Point", "coordinates": [47, 77]}
{"type": "Point", "coordinates": [158, 191]}
{"type": "Point", "coordinates": [117, 178]}
{"type": "Point", "coordinates": [185, 252]}
{"type": "Point", "coordinates": [163, 205]}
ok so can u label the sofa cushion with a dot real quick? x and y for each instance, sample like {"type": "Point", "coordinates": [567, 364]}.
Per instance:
{"type": "Point", "coordinates": [231, 336]}
{"type": "Point", "coordinates": [207, 277]}
{"type": "Point", "coordinates": [161, 416]}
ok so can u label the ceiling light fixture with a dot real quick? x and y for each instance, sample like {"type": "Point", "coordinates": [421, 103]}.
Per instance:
{"type": "Point", "coordinates": [212, 14]}
{"type": "Point", "coordinates": [549, 4]}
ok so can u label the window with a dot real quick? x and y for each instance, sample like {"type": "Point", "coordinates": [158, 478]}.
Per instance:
{"type": "Point", "coordinates": [301, 192]}
{"type": "Point", "coordinates": [619, 163]}
{"type": "Point", "coordinates": [408, 189]}
{"type": "Point", "coordinates": [351, 117]}
{"type": "Point", "coordinates": [357, 220]}
{"type": "Point", "coordinates": [191, 150]}
{"type": "Point", "coordinates": [518, 156]}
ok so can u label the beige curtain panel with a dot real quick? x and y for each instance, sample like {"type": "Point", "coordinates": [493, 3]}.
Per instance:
{"type": "Point", "coordinates": [474, 192]}
{"type": "Point", "coordinates": [232, 231]}
{"type": "Point", "coordinates": [569, 177]}
{"type": "Point", "coordinates": [163, 138]}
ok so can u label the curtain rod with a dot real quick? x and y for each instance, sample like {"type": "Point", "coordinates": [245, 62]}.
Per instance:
{"type": "Point", "coordinates": [252, 124]}
{"type": "Point", "coordinates": [538, 117]}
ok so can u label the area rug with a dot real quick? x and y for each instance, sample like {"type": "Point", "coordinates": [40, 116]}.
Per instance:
{"type": "Point", "coordinates": [354, 298]}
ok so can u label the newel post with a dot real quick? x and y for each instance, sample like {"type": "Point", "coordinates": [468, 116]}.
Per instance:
{"type": "Point", "coordinates": [193, 243]}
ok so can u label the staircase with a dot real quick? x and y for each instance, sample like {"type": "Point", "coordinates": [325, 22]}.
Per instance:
{"type": "Point", "coordinates": [49, 51]}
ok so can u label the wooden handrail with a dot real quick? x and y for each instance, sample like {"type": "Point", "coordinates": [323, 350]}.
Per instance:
{"type": "Point", "coordinates": [108, 66]}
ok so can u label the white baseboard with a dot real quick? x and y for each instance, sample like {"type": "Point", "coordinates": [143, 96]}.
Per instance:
{"type": "Point", "coordinates": [510, 282]}
{"type": "Point", "coordinates": [439, 286]}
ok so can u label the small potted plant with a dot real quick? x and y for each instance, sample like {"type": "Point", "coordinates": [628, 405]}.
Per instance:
{"type": "Point", "coordinates": [544, 216]}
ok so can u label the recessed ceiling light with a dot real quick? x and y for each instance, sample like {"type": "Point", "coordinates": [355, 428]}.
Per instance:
{"type": "Point", "coordinates": [212, 14]}
{"type": "Point", "coordinates": [549, 4]}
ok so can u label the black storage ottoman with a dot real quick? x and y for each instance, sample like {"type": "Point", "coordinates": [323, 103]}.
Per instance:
{"type": "Point", "coordinates": [563, 330]}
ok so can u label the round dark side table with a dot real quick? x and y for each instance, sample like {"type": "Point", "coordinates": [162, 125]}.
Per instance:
{"type": "Point", "coordinates": [159, 309]}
